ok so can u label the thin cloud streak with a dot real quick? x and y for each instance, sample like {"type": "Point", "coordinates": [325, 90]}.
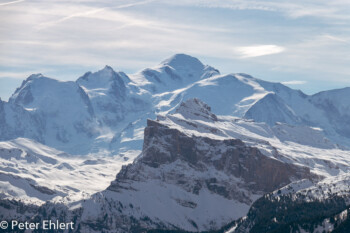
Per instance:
{"type": "Point", "coordinates": [79, 14]}
{"type": "Point", "coordinates": [9, 3]}
{"type": "Point", "coordinates": [296, 9]}
{"type": "Point", "coordinates": [21, 74]}
{"type": "Point", "coordinates": [87, 13]}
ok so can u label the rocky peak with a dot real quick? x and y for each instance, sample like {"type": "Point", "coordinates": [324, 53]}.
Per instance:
{"type": "Point", "coordinates": [23, 94]}
{"type": "Point", "coordinates": [101, 79]}
{"type": "Point", "coordinates": [196, 109]}
{"type": "Point", "coordinates": [35, 76]}
{"type": "Point", "coordinates": [104, 81]}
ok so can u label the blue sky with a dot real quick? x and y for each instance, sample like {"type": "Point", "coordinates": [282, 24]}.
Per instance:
{"type": "Point", "coordinates": [304, 44]}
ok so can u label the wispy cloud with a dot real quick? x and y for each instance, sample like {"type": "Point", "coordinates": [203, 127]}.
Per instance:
{"type": "Point", "coordinates": [259, 50]}
{"type": "Point", "coordinates": [75, 15]}
{"type": "Point", "coordinates": [295, 9]}
{"type": "Point", "coordinates": [89, 13]}
{"type": "Point", "coordinates": [334, 38]}
{"type": "Point", "coordinates": [294, 82]}
{"type": "Point", "coordinates": [9, 3]}
{"type": "Point", "coordinates": [131, 35]}
{"type": "Point", "coordinates": [20, 74]}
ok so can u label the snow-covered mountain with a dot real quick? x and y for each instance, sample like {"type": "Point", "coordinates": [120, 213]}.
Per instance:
{"type": "Point", "coordinates": [173, 73]}
{"type": "Point", "coordinates": [106, 111]}
{"type": "Point", "coordinates": [111, 95]}
{"type": "Point", "coordinates": [65, 113]}
{"type": "Point", "coordinates": [190, 167]}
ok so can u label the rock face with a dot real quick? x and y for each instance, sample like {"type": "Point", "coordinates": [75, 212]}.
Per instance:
{"type": "Point", "coordinates": [231, 156]}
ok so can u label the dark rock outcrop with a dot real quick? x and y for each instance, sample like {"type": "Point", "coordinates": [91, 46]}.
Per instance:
{"type": "Point", "coordinates": [164, 145]}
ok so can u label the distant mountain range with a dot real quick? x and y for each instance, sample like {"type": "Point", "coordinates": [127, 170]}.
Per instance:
{"type": "Point", "coordinates": [107, 110]}
{"type": "Point", "coordinates": [193, 150]}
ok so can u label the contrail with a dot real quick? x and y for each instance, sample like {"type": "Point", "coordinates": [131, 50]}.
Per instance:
{"type": "Point", "coordinates": [86, 13]}
{"type": "Point", "coordinates": [133, 4]}
{"type": "Point", "coordinates": [8, 3]}
{"type": "Point", "coordinates": [48, 24]}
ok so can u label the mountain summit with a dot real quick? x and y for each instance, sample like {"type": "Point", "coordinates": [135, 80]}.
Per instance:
{"type": "Point", "coordinates": [195, 109]}
{"type": "Point", "coordinates": [175, 72]}
{"type": "Point", "coordinates": [183, 62]}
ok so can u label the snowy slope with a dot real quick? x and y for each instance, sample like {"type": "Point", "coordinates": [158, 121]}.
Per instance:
{"type": "Point", "coordinates": [65, 112]}
{"type": "Point", "coordinates": [336, 108]}
{"type": "Point", "coordinates": [216, 91]}
{"type": "Point", "coordinates": [272, 109]}
{"type": "Point", "coordinates": [15, 120]}
{"type": "Point", "coordinates": [32, 172]}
